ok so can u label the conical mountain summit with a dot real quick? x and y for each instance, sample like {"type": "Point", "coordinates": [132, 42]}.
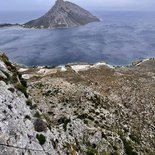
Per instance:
{"type": "Point", "coordinates": [63, 14]}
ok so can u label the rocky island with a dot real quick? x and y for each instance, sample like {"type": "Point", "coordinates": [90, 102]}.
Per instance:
{"type": "Point", "coordinates": [63, 15]}
{"type": "Point", "coordinates": [77, 109]}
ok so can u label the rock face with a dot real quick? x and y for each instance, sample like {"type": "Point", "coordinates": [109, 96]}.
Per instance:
{"type": "Point", "coordinates": [63, 15]}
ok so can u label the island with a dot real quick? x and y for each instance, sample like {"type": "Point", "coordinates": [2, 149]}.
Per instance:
{"type": "Point", "coordinates": [63, 14]}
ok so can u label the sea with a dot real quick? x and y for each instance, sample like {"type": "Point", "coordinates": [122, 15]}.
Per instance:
{"type": "Point", "coordinates": [119, 39]}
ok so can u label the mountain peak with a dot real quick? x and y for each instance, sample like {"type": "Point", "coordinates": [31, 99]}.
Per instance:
{"type": "Point", "coordinates": [63, 14]}
{"type": "Point", "coordinates": [59, 1]}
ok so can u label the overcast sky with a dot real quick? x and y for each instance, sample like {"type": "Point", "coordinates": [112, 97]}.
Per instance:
{"type": "Point", "coordinates": [148, 5]}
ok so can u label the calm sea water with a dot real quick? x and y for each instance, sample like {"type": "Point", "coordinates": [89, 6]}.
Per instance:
{"type": "Point", "coordinates": [118, 39]}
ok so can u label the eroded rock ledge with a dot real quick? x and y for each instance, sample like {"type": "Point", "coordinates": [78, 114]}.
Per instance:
{"type": "Point", "coordinates": [77, 109]}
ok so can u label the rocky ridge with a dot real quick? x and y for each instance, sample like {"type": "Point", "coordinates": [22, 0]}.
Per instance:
{"type": "Point", "coordinates": [77, 109]}
{"type": "Point", "coordinates": [63, 15]}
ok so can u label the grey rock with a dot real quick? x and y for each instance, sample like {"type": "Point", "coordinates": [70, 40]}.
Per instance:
{"type": "Point", "coordinates": [63, 15]}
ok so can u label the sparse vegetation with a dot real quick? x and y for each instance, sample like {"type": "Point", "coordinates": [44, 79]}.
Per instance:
{"type": "Point", "coordinates": [64, 121]}
{"type": "Point", "coordinates": [14, 78]}
{"type": "Point", "coordinates": [109, 111]}
{"type": "Point", "coordinates": [52, 92]}
{"type": "Point", "coordinates": [83, 116]}
{"type": "Point", "coordinates": [91, 151]}
{"type": "Point", "coordinates": [41, 138]}
{"type": "Point", "coordinates": [135, 138]}
{"type": "Point", "coordinates": [37, 114]}
{"type": "Point", "coordinates": [23, 82]}
{"type": "Point", "coordinates": [128, 147]}
{"type": "Point", "coordinates": [29, 102]}
{"type": "Point", "coordinates": [22, 89]}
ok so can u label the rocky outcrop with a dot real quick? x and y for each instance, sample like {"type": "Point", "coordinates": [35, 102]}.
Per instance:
{"type": "Point", "coordinates": [63, 15]}
{"type": "Point", "coordinates": [17, 134]}
{"type": "Point", "coordinates": [8, 25]}
{"type": "Point", "coordinates": [77, 109]}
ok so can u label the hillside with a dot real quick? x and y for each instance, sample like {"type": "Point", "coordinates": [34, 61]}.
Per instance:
{"type": "Point", "coordinates": [79, 109]}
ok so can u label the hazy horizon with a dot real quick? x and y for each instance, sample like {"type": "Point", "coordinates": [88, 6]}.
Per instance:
{"type": "Point", "coordinates": [97, 5]}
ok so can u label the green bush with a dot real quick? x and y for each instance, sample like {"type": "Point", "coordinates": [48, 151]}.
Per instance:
{"type": "Point", "coordinates": [83, 116]}
{"type": "Point", "coordinates": [22, 89]}
{"type": "Point", "coordinates": [14, 78]}
{"type": "Point", "coordinates": [85, 122]}
{"type": "Point", "coordinates": [29, 102]}
{"type": "Point", "coordinates": [23, 82]}
{"type": "Point", "coordinates": [41, 138]}
{"type": "Point", "coordinates": [37, 114]}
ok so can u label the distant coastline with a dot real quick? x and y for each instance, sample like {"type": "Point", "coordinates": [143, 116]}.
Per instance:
{"type": "Point", "coordinates": [115, 40]}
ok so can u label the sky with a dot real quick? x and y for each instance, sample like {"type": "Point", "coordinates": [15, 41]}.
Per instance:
{"type": "Point", "coordinates": [101, 5]}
